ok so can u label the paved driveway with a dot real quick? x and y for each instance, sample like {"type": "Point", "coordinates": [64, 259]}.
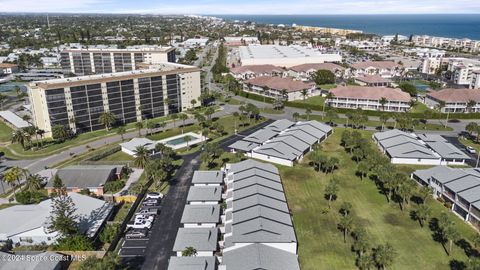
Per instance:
{"type": "Point", "coordinates": [164, 230]}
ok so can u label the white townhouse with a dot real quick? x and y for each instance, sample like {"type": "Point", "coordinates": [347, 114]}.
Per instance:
{"type": "Point", "coordinates": [456, 100]}
{"type": "Point", "coordinates": [386, 69]}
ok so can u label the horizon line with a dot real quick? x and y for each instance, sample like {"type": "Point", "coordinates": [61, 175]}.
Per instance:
{"type": "Point", "coordinates": [231, 14]}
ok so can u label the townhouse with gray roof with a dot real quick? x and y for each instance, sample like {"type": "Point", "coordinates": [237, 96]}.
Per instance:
{"type": "Point", "coordinates": [207, 178]}
{"type": "Point", "coordinates": [201, 216]}
{"type": "Point", "coordinates": [203, 240]}
{"type": "Point", "coordinates": [204, 195]}
{"type": "Point", "coordinates": [459, 186]}
{"type": "Point", "coordinates": [419, 149]}
{"type": "Point", "coordinates": [193, 263]}
{"type": "Point", "coordinates": [283, 142]}
{"type": "Point", "coordinates": [258, 224]}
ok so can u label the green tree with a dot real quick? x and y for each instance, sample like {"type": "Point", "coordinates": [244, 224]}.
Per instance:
{"type": "Point", "coordinates": [142, 156]}
{"type": "Point", "coordinates": [189, 252]}
{"type": "Point", "coordinates": [308, 111]}
{"type": "Point", "coordinates": [33, 182]}
{"type": "Point", "coordinates": [150, 126]}
{"type": "Point", "coordinates": [422, 213]}
{"type": "Point", "coordinates": [346, 225]}
{"type": "Point", "coordinates": [384, 255]}
{"type": "Point", "coordinates": [60, 133]}
{"type": "Point", "coordinates": [107, 119]}
{"type": "Point", "coordinates": [139, 126]}
{"type": "Point", "coordinates": [408, 88]}
{"type": "Point", "coordinates": [174, 118]}
{"type": "Point", "coordinates": [382, 103]}
{"type": "Point", "coordinates": [296, 116]}
{"type": "Point", "coordinates": [323, 76]}
{"type": "Point", "coordinates": [331, 190]}
{"type": "Point", "coordinates": [183, 117]}
{"type": "Point", "coordinates": [121, 130]}
{"type": "Point", "coordinates": [12, 177]}
{"type": "Point", "coordinates": [362, 169]}
{"type": "Point", "coordinates": [365, 262]}
{"type": "Point", "coordinates": [20, 137]}
{"type": "Point", "coordinates": [63, 217]}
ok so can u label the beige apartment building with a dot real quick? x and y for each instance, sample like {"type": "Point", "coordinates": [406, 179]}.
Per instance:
{"type": "Point", "coordinates": [87, 61]}
{"type": "Point", "coordinates": [131, 96]}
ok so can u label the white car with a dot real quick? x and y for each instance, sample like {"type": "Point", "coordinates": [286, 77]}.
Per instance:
{"type": "Point", "coordinates": [140, 224]}
{"type": "Point", "coordinates": [470, 150]}
{"type": "Point", "coordinates": [144, 217]}
{"type": "Point", "coordinates": [154, 195]}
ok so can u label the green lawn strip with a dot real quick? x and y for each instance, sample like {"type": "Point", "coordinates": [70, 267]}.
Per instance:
{"type": "Point", "coordinates": [118, 156]}
{"type": "Point", "coordinates": [269, 110]}
{"type": "Point", "coordinates": [372, 123]}
{"type": "Point", "coordinates": [5, 132]}
{"type": "Point", "coordinates": [327, 86]}
{"type": "Point", "coordinates": [467, 142]}
{"type": "Point", "coordinates": [321, 243]}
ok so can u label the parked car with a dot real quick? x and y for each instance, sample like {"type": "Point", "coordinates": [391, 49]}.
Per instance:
{"type": "Point", "coordinates": [154, 195]}
{"type": "Point", "coordinates": [470, 150]}
{"type": "Point", "coordinates": [123, 192]}
{"type": "Point", "coordinates": [151, 202]}
{"type": "Point", "coordinates": [140, 224]}
{"type": "Point", "coordinates": [136, 233]}
{"type": "Point", "coordinates": [149, 211]}
{"type": "Point", "coordinates": [144, 217]}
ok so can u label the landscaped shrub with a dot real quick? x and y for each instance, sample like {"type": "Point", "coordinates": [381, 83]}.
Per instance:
{"type": "Point", "coordinates": [74, 243]}
{"type": "Point", "coordinates": [29, 197]}
{"type": "Point", "coordinates": [113, 186]}
{"type": "Point", "coordinates": [104, 154]}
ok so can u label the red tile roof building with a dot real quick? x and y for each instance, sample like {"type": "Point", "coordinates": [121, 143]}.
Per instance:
{"type": "Point", "coordinates": [456, 100]}
{"type": "Point", "coordinates": [373, 81]}
{"type": "Point", "coordinates": [386, 69]}
{"type": "Point", "coordinates": [248, 72]}
{"type": "Point", "coordinates": [305, 71]}
{"type": "Point", "coordinates": [276, 85]}
{"type": "Point", "coordinates": [368, 98]}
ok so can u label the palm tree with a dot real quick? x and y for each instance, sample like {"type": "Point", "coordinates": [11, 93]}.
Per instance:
{"type": "Point", "coordinates": [384, 119]}
{"type": "Point", "coordinates": [362, 169]}
{"type": "Point", "coordinates": [365, 262]}
{"type": "Point", "coordinates": [174, 117]}
{"type": "Point", "coordinates": [236, 115]}
{"type": "Point", "coordinates": [141, 156]}
{"type": "Point", "coordinates": [441, 104]}
{"type": "Point", "coordinates": [384, 256]}
{"type": "Point", "coordinates": [264, 92]}
{"type": "Point", "coordinates": [295, 116]}
{"type": "Point", "coordinates": [308, 111]}
{"type": "Point", "coordinates": [107, 119]}
{"type": "Point", "coordinates": [470, 105]}
{"type": "Point", "coordinates": [41, 133]}
{"type": "Point", "coordinates": [150, 125]}
{"type": "Point", "coordinates": [20, 137]}
{"type": "Point", "coordinates": [382, 103]}
{"type": "Point", "coordinates": [13, 176]}
{"type": "Point", "coordinates": [329, 95]}
{"type": "Point", "coordinates": [121, 130]}
{"type": "Point", "coordinates": [33, 182]}
{"type": "Point", "coordinates": [2, 99]}
{"type": "Point", "coordinates": [422, 214]}
{"type": "Point", "coordinates": [139, 126]}
{"type": "Point", "coordinates": [284, 93]}
{"type": "Point", "coordinates": [183, 117]}
{"type": "Point", "coordinates": [187, 139]}
{"type": "Point", "coordinates": [189, 252]}
{"type": "Point", "coordinates": [304, 93]}
{"type": "Point", "coordinates": [331, 190]}
{"type": "Point", "coordinates": [425, 193]}
{"type": "Point", "coordinates": [346, 225]}
{"type": "Point", "coordinates": [193, 102]}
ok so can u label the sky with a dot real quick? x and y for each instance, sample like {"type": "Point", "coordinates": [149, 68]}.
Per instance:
{"type": "Point", "coordinates": [245, 6]}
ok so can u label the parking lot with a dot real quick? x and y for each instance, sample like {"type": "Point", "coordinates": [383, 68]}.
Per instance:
{"type": "Point", "coordinates": [473, 157]}
{"type": "Point", "coordinates": [136, 247]}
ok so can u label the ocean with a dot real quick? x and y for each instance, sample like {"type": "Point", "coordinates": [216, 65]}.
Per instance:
{"type": "Point", "coordinates": [443, 25]}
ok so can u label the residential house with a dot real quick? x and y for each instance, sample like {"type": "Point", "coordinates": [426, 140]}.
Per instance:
{"type": "Point", "coordinates": [455, 100]}
{"type": "Point", "coordinates": [386, 69]}
{"type": "Point", "coordinates": [203, 240]}
{"type": "Point", "coordinates": [284, 88]}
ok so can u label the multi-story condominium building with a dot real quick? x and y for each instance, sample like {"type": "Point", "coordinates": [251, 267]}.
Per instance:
{"type": "Point", "coordinates": [464, 44]}
{"type": "Point", "coordinates": [87, 61]}
{"type": "Point", "coordinates": [304, 72]}
{"type": "Point", "coordinates": [131, 96]}
{"type": "Point", "coordinates": [369, 98]}
{"type": "Point", "coordinates": [456, 100]}
{"type": "Point", "coordinates": [277, 87]}
{"type": "Point", "coordinates": [460, 187]}
{"type": "Point", "coordinates": [475, 84]}
{"type": "Point", "coordinates": [386, 69]}
{"type": "Point", "coordinates": [462, 69]}
{"type": "Point", "coordinates": [249, 72]}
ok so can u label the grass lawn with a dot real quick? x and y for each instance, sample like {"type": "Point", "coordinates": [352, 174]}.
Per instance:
{"type": "Point", "coordinates": [233, 101]}
{"type": "Point", "coordinates": [5, 132]}
{"type": "Point", "coordinates": [321, 242]}
{"type": "Point", "coordinates": [420, 108]}
{"type": "Point", "coordinates": [118, 156]}
{"type": "Point", "coordinates": [378, 124]}
{"type": "Point", "coordinates": [471, 143]}
{"type": "Point", "coordinates": [327, 86]}
{"type": "Point", "coordinates": [316, 100]}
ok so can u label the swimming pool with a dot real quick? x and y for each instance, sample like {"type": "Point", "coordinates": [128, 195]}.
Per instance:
{"type": "Point", "coordinates": [180, 140]}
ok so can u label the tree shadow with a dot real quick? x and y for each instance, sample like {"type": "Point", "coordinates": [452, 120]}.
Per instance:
{"type": "Point", "coordinates": [457, 265]}
{"type": "Point", "coordinates": [416, 199]}
{"type": "Point", "coordinates": [467, 248]}
{"type": "Point", "coordinates": [437, 234]}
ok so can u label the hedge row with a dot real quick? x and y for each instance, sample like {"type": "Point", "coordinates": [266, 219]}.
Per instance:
{"type": "Point", "coordinates": [104, 154]}
{"type": "Point", "coordinates": [316, 107]}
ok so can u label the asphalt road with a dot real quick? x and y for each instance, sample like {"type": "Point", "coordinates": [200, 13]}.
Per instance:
{"type": "Point", "coordinates": [454, 140]}
{"type": "Point", "coordinates": [164, 230]}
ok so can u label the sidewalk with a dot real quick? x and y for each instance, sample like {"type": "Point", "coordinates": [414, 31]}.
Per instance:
{"type": "Point", "coordinates": [134, 176]}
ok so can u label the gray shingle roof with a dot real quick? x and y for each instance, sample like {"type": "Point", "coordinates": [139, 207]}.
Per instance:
{"type": "Point", "coordinates": [256, 180]}
{"type": "Point", "coordinates": [278, 149]}
{"type": "Point", "coordinates": [201, 213]}
{"type": "Point", "coordinates": [207, 177]}
{"type": "Point", "coordinates": [202, 239]}
{"type": "Point", "coordinates": [251, 201]}
{"type": "Point", "coordinates": [319, 126]}
{"type": "Point", "coordinates": [37, 261]}
{"type": "Point", "coordinates": [260, 257]}
{"type": "Point", "coordinates": [20, 218]}
{"type": "Point", "coordinates": [257, 189]}
{"type": "Point", "coordinates": [471, 195]}
{"type": "Point", "coordinates": [250, 164]}
{"type": "Point", "coordinates": [192, 263]}
{"type": "Point", "coordinates": [204, 193]}
{"type": "Point", "coordinates": [447, 150]}
{"type": "Point", "coordinates": [261, 136]}
{"type": "Point", "coordinates": [280, 125]}
{"type": "Point", "coordinates": [261, 230]}
{"type": "Point", "coordinates": [464, 183]}
{"type": "Point", "coordinates": [87, 176]}
{"type": "Point", "coordinates": [243, 146]}
{"type": "Point", "coordinates": [399, 144]}
{"type": "Point", "coordinates": [256, 212]}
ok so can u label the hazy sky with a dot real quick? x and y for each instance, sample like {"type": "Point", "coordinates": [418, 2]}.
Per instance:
{"type": "Point", "coordinates": [244, 6]}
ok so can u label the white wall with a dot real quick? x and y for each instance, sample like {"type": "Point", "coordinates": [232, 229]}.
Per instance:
{"type": "Point", "coordinates": [415, 161]}
{"type": "Point", "coordinates": [201, 225]}
{"type": "Point", "coordinates": [202, 202]}
{"type": "Point", "coordinates": [276, 160]}
{"type": "Point", "coordinates": [199, 253]}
